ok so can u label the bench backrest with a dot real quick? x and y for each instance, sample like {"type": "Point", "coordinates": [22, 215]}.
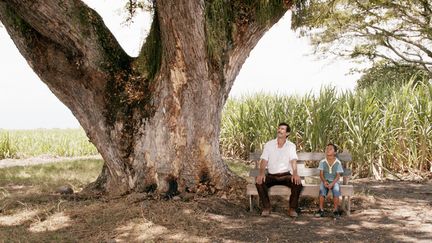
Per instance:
{"type": "Point", "coordinates": [302, 157]}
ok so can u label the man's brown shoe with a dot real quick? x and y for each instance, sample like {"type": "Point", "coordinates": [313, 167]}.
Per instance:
{"type": "Point", "coordinates": [265, 212]}
{"type": "Point", "coordinates": [292, 212]}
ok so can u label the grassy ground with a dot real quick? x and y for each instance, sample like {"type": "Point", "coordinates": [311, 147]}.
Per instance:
{"type": "Point", "coordinates": [47, 177]}
{"type": "Point", "coordinates": [31, 211]}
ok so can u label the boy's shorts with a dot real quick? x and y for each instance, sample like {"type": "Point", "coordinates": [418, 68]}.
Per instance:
{"type": "Point", "coordinates": [335, 190]}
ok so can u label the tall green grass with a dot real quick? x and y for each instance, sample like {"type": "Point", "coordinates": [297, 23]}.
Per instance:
{"type": "Point", "coordinates": [7, 147]}
{"type": "Point", "coordinates": [56, 142]}
{"type": "Point", "coordinates": [384, 130]}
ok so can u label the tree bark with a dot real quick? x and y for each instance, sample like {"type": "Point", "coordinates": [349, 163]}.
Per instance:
{"type": "Point", "coordinates": [155, 119]}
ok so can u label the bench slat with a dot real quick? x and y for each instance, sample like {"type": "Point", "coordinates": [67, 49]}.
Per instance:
{"type": "Point", "coordinates": [302, 172]}
{"type": "Point", "coordinates": [319, 156]}
{"type": "Point", "coordinates": [302, 156]}
{"type": "Point", "coordinates": [308, 190]}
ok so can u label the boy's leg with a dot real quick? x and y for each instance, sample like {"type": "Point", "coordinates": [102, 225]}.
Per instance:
{"type": "Point", "coordinates": [321, 202]}
{"type": "Point", "coordinates": [322, 195]}
{"type": "Point", "coordinates": [336, 195]}
{"type": "Point", "coordinates": [336, 203]}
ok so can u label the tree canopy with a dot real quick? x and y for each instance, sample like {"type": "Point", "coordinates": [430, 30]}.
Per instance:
{"type": "Point", "coordinates": [399, 31]}
{"type": "Point", "coordinates": [386, 74]}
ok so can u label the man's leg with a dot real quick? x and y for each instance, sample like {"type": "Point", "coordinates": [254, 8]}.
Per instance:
{"type": "Point", "coordinates": [263, 193]}
{"type": "Point", "coordinates": [295, 192]}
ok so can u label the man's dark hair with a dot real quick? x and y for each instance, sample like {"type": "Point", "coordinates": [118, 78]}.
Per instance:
{"type": "Point", "coordinates": [334, 147]}
{"type": "Point", "coordinates": [288, 129]}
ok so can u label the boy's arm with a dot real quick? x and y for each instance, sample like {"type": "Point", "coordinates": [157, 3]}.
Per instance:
{"type": "Point", "coordinates": [339, 170]}
{"type": "Point", "coordinates": [336, 179]}
{"type": "Point", "coordinates": [321, 169]}
{"type": "Point", "coordinates": [323, 179]}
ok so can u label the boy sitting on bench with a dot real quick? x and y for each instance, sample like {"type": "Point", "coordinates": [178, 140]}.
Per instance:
{"type": "Point", "coordinates": [330, 169]}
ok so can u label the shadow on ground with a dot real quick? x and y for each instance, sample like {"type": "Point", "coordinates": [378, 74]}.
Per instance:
{"type": "Point", "coordinates": [382, 211]}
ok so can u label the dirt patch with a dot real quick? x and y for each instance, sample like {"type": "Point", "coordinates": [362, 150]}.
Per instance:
{"type": "Point", "coordinates": [382, 211]}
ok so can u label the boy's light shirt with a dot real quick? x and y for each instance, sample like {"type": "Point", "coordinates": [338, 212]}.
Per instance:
{"type": "Point", "coordinates": [331, 166]}
{"type": "Point", "coordinates": [328, 174]}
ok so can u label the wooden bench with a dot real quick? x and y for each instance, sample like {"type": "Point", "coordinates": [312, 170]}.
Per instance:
{"type": "Point", "coordinates": [310, 179]}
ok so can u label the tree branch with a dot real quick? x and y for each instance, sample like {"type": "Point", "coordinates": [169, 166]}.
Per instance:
{"type": "Point", "coordinates": [400, 38]}
{"type": "Point", "coordinates": [403, 57]}
{"type": "Point", "coordinates": [71, 50]}
{"type": "Point", "coordinates": [250, 30]}
{"type": "Point", "coordinates": [70, 24]}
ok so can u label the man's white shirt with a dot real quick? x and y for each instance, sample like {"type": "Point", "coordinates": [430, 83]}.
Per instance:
{"type": "Point", "coordinates": [279, 158]}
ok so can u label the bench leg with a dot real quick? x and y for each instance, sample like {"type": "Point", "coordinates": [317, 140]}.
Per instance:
{"type": "Point", "coordinates": [344, 203]}
{"type": "Point", "coordinates": [250, 203]}
{"type": "Point", "coordinates": [349, 206]}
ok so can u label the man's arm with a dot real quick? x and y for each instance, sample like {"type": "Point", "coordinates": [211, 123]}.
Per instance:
{"type": "Point", "coordinates": [294, 166]}
{"type": "Point", "coordinates": [261, 176]}
{"type": "Point", "coordinates": [295, 178]}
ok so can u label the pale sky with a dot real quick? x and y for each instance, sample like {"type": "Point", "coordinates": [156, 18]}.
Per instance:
{"type": "Point", "coordinates": [281, 63]}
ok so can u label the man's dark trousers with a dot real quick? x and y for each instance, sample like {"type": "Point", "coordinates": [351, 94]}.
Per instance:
{"type": "Point", "coordinates": [279, 179]}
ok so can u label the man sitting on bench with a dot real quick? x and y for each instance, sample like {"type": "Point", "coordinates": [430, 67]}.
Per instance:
{"type": "Point", "coordinates": [280, 158]}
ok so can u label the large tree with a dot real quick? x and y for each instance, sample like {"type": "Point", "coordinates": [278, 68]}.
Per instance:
{"type": "Point", "coordinates": [398, 31]}
{"type": "Point", "coordinates": [155, 119]}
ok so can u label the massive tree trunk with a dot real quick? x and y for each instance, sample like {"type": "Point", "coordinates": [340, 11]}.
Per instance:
{"type": "Point", "coordinates": [155, 119]}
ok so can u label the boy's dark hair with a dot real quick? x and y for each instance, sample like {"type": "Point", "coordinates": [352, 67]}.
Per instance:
{"type": "Point", "coordinates": [334, 147]}
{"type": "Point", "coordinates": [288, 129]}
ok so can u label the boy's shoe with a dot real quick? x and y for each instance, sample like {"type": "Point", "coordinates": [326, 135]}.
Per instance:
{"type": "Point", "coordinates": [336, 214]}
{"type": "Point", "coordinates": [319, 213]}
